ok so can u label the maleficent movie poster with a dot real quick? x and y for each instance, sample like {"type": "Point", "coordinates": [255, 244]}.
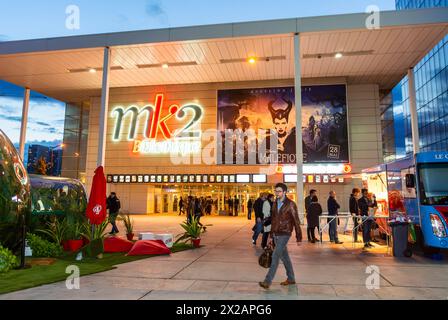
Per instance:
{"type": "Point", "coordinates": [257, 126]}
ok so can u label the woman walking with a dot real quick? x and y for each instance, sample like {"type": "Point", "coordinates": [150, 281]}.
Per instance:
{"type": "Point", "coordinates": [267, 208]}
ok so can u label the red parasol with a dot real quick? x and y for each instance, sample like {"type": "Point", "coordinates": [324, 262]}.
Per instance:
{"type": "Point", "coordinates": [96, 209]}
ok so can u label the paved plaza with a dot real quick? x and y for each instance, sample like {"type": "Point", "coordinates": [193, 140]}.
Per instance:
{"type": "Point", "coordinates": [227, 268]}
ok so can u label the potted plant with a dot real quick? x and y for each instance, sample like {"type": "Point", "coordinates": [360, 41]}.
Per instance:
{"type": "Point", "coordinates": [74, 237]}
{"type": "Point", "coordinates": [193, 231]}
{"type": "Point", "coordinates": [129, 225]}
{"type": "Point", "coordinates": [95, 236]}
{"type": "Point", "coordinates": [57, 231]}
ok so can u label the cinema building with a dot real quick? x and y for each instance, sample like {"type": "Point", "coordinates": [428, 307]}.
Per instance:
{"type": "Point", "coordinates": [227, 110]}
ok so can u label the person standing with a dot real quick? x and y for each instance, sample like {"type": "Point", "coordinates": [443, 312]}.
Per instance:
{"type": "Point", "coordinates": [267, 219]}
{"type": "Point", "coordinates": [250, 205]}
{"type": "Point", "coordinates": [190, 209]}
{"type": "Point", "coordinates": [333, 207]}
{"type": "Point", "coordinates": [364, 204]}
{"type": "Point", "coordinates": [236, 205]}
{"type": "Point", "coordinates": [312, 217]}
{"type": "Point", "coordinates": [354, 211]}
{"type": "Point", "coordinates": [285, 218]}
{"type": "Point", "coordinates": [114, 205]}
{"type": "Point", "coordinates": [308, 199]}
{"type": "Point", "coordinates": [230, 206]}
{"type": "Point", "coordinates": [258, 209]}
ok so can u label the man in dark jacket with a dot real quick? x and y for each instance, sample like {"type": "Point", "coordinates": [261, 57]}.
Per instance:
{"type": "Point", "coordinates": [250, 205]}
{"type": "Point", "coordinates": [364, 204]}
{"type": "Point", "coordinates": [258, 209]}
{"type": "Point", "coordinates": [113, 204]}
{"type": "Point", "coordinates": [333, 207]}
{"type": "Point", "coordinates": [285, 219]}
{"type": "Point", "coordinates": [309, 198]}
{"type": "Point", "coordinates": [354, 211]}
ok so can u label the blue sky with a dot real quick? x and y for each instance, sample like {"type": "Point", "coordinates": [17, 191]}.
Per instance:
{"type": "Point", "coordinates": [31, 19]}
{"type": "Point", "coordinates": [28, 19]}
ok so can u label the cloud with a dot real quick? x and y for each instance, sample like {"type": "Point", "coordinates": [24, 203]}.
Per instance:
{"type": "Point", "coordinates": [154, 8]}
{"type": "Point", "coordinates": [11, 118]}
{"type": "Point", "coordinates": [43, 124]}
{"type": "Point", "coordinates": [4, 37]}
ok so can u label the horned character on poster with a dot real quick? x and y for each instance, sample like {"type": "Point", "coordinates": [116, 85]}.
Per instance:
{"type": "Point", "coordinates": [257, 126]}
{"type": "Point", "coordinates": [262, 121]}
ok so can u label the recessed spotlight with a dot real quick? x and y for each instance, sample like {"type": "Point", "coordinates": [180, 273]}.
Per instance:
{"type": "Point", "coordinates": [92, 70]}
{"type": "Point", "coordinates": [338, 55]}
{"type": "Point", "coordinates": [165, 66]}
{"type": "Point", "coordinates": [252, 60]}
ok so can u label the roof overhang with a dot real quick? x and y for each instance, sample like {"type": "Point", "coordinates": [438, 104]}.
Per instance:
{"type": "Point", "coordinates": [58, 67]}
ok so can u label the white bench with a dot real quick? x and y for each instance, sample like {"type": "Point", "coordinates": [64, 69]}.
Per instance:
{"type": "Point", "coordinates": [168, 239]}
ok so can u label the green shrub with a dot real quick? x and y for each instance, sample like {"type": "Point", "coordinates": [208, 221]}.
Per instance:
{"type": "Point", "coordinates": [43, 248]}
{"type": "Point", "coordinates": [8, 260]}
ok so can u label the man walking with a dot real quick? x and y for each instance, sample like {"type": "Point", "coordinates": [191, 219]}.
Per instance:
{"type": "Point", "coordinates": [258, 209]}
{"type": "Point", "coordinates": [113, 204]}
{"type": "Point", "coordinates": [181, 206]}
{"type": "Point", "coordinates": [333, 207]}
{"type": "Point", "coordinates": [285, 218]}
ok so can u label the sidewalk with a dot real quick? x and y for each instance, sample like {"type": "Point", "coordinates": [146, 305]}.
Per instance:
{"type": "Point", "coordinates": [227, 268]}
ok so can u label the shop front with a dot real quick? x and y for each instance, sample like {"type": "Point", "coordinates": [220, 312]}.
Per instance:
{"type": "Point", "coordinates": [224, 142]}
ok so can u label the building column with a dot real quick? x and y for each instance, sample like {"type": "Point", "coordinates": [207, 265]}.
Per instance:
{"type": "Point", "coordinates": [298, 103]}
{"type": "Point", "coordinates": [25, 109]}
{"type": "Point", "coordinates": [104, 108]}
{"type": "Point", "coordinates": [413, 111]}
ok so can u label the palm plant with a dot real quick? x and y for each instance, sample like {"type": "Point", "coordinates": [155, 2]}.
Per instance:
{"type": "Point", "coordinates": [128, 223]}
{"type": "Point", "coordinates": [98, 232]}
{"type": "Point", "coordinates": [56, 230]}
{"type": "Point", "coordinates": [193, 231]}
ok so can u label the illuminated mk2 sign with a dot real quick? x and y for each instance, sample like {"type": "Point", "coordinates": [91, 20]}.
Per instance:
{"type": "Point", "coordinates": [184, 139]}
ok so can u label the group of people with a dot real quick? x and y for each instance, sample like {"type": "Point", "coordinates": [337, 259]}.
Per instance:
{"type": "Point", "coordinates": [197, 205]}
{"type": "Point", "coordinates": [360, 202]}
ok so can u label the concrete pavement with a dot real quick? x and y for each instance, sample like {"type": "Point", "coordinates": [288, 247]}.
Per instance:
{"type": "Point", "coordinates": [227, 268]}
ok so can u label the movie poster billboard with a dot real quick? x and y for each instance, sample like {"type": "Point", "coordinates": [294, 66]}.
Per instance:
{"type": "Point", "coordinates": [325, 124]}
{"type": "Point", "coordinates": [263, 121]}
{"type": "Point", "coordinates": [257, 126]}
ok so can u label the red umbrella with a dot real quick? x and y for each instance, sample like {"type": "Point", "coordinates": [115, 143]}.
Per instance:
{"type": "Point", "coordinates": [96, 209]}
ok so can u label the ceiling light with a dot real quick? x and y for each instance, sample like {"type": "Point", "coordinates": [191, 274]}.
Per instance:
{"type": "Point", "coordinates": [92, 70]}
{"type": "Point", "coordinates": [338, 55]}
{"type": "Point", "coordinates": [252, 60]}
{"type": "Point", "coordinates": [165, 66]}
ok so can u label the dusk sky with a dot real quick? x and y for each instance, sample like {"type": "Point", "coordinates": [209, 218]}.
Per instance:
{"type": "Point", "coordinates": [28, 19]}
{"type": "Point", "coordinates": [31, 19]}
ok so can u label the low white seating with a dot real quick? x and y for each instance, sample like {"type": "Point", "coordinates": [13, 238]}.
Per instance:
{"type": "Point", "coordinates": [167, 238]}
{"type": "Point", "coordinates": [147, 236]}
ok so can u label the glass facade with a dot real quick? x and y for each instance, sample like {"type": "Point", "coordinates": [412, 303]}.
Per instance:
{"type": "Point", "coordinates": [75, 141]}
{"type": "Point", "coordinates": [431, 82]}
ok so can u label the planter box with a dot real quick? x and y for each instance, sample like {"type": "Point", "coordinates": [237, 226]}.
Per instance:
{"type": "Point", "coordinates": [168, 239]}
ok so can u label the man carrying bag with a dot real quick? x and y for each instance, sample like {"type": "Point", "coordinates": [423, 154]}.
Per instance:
{"type": "Point", "coordinates": [285, 218]}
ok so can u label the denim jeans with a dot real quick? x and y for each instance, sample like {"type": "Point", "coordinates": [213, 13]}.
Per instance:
{"type": "Point", "coordinates": [355, 228]}
{"type": "Point", "coordinates": [367, 226]}
{"type": "Point", "coordinates": [280, 253]}
{"type": "Point", "coordinates": [258, 230]}
{"type": "Point", "coordinates": [264, 241]}
{"type": "Point", "coordinates": [112, 220]}
{"type": "Point", "coordinates": [333, 230]}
